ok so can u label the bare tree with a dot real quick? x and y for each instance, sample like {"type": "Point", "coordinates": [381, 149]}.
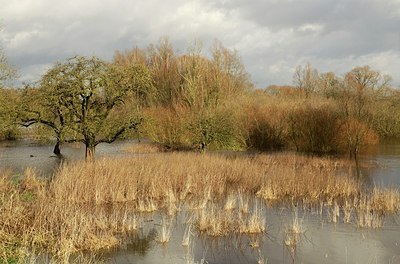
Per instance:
{"type": "Point", "coordinates": [306, 79]}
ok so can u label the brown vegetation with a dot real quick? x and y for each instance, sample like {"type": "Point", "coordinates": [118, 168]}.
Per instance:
{"type": "Point", "coordinates": [89, 206]}
{"type": "Point", "coordinates": [199, 101]}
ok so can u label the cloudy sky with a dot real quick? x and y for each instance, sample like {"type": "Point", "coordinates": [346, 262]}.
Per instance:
{"type": "Point", "coordinates": [271, 36]}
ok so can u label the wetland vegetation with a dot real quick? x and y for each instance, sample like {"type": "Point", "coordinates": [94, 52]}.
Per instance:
{"type": "Point", "coordinates": [95, 206]}
{"type": "Point", "coordinates": [198, 112]}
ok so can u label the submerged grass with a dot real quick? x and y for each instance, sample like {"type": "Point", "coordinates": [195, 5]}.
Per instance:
{"type": "Point", "coordinates": [90, 206]}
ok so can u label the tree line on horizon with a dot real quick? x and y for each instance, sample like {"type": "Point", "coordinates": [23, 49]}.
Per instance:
{"type": "Point", "coordinates": [193, 101]}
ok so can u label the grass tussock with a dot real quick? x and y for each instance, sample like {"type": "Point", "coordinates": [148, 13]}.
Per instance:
{"type": "Point", "coordinates": [90, 206]}
{"type": "Point", "coordinates": [214, 220]}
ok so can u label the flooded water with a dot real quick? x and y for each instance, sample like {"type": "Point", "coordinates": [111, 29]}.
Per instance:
{"type": "Point", "coordinates": [384, 164]}
{"type": "Point", "coordinates": [320, 240]}
{"type": "Point", "coordinates": [19, 155]}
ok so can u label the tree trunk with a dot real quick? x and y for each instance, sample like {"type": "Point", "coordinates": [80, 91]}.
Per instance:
{"type": "Point", "coordinates": [358, 171]}
{"type": "Point", "coordinates": [89, 153]}
{"type": "Point", "coordinates": [57, 149]}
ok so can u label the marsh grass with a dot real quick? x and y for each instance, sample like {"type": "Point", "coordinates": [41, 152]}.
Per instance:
{"type": "Point", "coordinates": [91, 206]}
{"type": "Point", "coordinates": [309, 180]}
{"type": "Point", "coordinates": [293, 234]}
{"type": "Point", "coordinates": [164, 234]}
{"type": "Point", "coordinates": [186, 240]}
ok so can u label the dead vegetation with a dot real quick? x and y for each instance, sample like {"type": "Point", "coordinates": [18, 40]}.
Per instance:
{"type": "Point", "coordinates": [90, 206]}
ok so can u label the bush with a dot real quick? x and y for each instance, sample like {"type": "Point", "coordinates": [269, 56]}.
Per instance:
{"type": "Point", "coordinates": [165, 126]}
{"type": "Point", "coordinates": [265, 127]}
{"type": "Point", "coordinates": [10, 133]}
{"type": "Point", "coordinates": [352, 135]}
{"type": "Point", "coordinates": [214, 128]}
{"type": "Point", "coordinates": [312, 127]}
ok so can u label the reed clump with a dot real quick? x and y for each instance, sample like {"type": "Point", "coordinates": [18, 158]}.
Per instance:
{"type": "Point", "coordinates": [294, 178]}
{"type": "Point", "coordinates": [17, 206]}
{"type": "Point", "coordinates": [373, 207]}
{"type": "Point", "coordinates": [214, 220]}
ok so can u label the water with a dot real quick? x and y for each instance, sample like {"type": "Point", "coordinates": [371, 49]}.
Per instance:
{"type": "Point", "coordinates": [384, 162]}
{"type": "Point", "coordinates": [19, 155]}
{"type": "Point", "coordinates": [320, 242]}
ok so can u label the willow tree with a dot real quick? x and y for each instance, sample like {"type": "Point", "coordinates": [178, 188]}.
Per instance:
{"type": "Point", "coordinates": [101, 100]}
{"type": "Point", "coordinates": [206, 86]}
{"type": "Point", "coordinates": [7, 96]}
{"type": "Point", "coordinates": [9, 103]}
{"type": "Point", "coordinates": [6, 71]}
{"type": "Point", "coordinates": [163, 65]}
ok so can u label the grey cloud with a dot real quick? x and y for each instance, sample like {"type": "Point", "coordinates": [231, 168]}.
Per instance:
{"type": "Point", "coordinates": [272, 37]}
{"type": "Point", "coordinates": [348, 27]}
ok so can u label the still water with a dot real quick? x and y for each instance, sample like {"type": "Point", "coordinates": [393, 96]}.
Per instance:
{"type": "Point", "coordinates": [320, 242]}
{"type": "Point", "coordinates": [19, 155]}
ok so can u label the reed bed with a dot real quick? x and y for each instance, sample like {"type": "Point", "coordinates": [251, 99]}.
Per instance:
{"type": "Point", "coordinates": [161, 178]}
{"type": "Point", "coordinates": [91, 206]}
{"type": "Point", "coordinates": [294, 178]}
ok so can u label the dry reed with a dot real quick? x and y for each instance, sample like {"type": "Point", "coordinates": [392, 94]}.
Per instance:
{"type": "Point", "coordinates": [89, 206]}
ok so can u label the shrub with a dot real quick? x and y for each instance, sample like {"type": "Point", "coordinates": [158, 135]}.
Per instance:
{"type": "Point", "coordinates": [265, 127]}
{"type": "Point", "coordinates": [352, 135]}
{"type": "Point", "coordinates": [165, 126]}
{"type": "Point", "coordinates": [312, 127]}
{"type": "Point", "coordinates": [214, 128]}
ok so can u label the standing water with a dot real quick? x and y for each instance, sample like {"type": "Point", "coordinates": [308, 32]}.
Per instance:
{"type": "Point", "coordinates": [291, 236]}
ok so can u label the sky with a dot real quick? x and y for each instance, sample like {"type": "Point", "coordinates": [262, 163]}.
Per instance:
{"type": "Point", "coordinates": [272, 37]}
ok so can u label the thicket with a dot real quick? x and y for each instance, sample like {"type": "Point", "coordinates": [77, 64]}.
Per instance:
{"type": "Point", "coordinates": [191, 100]}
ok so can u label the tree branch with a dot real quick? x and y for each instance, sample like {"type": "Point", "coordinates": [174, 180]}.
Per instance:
{"type": "Point", "coordinates": [119, 132]}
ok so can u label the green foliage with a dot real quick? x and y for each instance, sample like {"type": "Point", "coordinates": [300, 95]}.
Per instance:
{"type": "Point", "coordinates": [215, 129]}
{"type": "Point", "coordinates": [181, 128]}
{"type": "Point", "coordinates": [9, 102]}
{"type": "Point", "coordinates": [166, 126]}
{"type": "Point", "coordinates": [384, 115]}
{"type": "Point", "coordinates": [190, 91]}
{"type": "Point", "coordinates": [89, 97]}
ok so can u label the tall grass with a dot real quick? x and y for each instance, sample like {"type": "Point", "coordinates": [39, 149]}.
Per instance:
{"type": "Point", "coordinates": [90, 206]}
{"type": "Point", "coordinates": [305, 179]}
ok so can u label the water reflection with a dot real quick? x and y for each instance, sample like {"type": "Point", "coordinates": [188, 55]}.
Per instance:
{"type": "Point", "coordinates": [383, 165]}
{"type": "Point", "coordinates": [319, 242]}
{"type": "Point", "coordinates": [136, 244]}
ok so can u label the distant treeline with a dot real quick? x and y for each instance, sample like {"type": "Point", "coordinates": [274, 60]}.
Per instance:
{"type": "Point", "coordinates": [193, 101]}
